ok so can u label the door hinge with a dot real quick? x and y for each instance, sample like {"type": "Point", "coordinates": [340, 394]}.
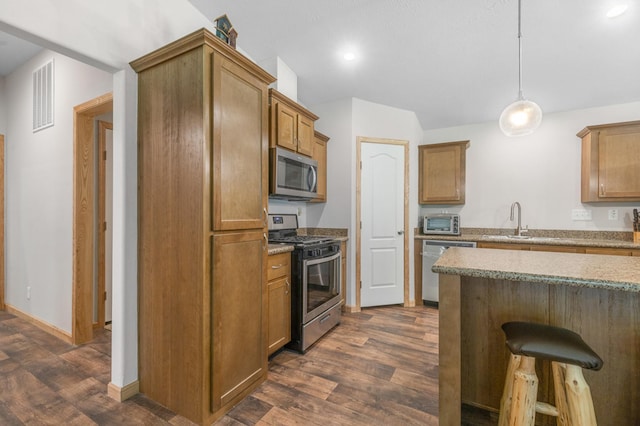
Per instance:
{"type": "Point", "coordinates": [360, 165]}
{"type": "Point", "coordinates": [105, 295]}
{"type": "Point", "coordinates": [104, 155]}
{"type": "Point", "coordinates": [104, 226]}
{"type": "Point", "coordinates": [360, 284]}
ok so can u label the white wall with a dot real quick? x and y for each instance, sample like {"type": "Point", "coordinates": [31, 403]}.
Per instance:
{"type": "Point", "coordinates": [39, 188]}
{"type": "Point", "coordinates": [541, 171]}
{"type": "Point", "coordinates": [343, 122]}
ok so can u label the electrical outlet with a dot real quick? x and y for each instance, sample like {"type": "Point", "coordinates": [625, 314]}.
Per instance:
{"type": "Point", "coordinates": [28, 292]}
{"type": "Point", "coordinates": [580, 214]}
{"type": "Point", "coordinates": [299, 211]}
{"type": "Point", "coordinates": [613, 214]}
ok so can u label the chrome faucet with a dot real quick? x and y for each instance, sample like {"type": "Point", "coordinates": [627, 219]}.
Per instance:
{"type": "Point", "coordinates": [519, 229]}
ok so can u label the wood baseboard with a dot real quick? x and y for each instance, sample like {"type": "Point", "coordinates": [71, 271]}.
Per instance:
{"type": "Point", "coordinates": [45, 326]}
{"type": "Point", "coordinates": [122, 394]}
{"type": "Point", "coordinates": [350, 309]}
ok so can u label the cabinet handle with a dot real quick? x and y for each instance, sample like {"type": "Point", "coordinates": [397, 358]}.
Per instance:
{"type": "Point", "coordinates": [277, 266]}
{"type": "Point", "coordinates": [265, 241]}
{"type": "Point", "coordinates": [288, 287]}
{"type": "Point", "coordinates": [602, 189]}
{"type": "Point", "coordinates": [264, 212]}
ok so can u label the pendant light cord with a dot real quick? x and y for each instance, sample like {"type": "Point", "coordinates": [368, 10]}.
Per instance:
{"type": "Point", "coordinates": [520, 97]}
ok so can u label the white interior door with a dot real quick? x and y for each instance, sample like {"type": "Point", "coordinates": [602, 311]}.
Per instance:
{"type": "Point", "coordinates": [382, 230]}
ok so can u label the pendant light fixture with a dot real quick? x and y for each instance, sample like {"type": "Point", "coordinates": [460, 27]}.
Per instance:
{"type": "Point", "coordinates": [521, 117]}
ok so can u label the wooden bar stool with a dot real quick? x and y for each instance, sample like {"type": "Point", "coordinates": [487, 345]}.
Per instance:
{"type": "Point", "coordinates": [568, 354]}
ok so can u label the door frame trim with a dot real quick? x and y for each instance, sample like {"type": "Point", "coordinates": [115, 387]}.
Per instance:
{"type": "Point", "coordinates": [103, 126]}
{"type": "Point", "coordinates": [84, 235]}
{"type": "Point", "coordinates": [2, 306]}
{"type": "Point", "coordinates": [359, 141]}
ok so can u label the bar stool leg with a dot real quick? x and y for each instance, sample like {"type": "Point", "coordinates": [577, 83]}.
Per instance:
{"type": "Point", "coordinates": [525, 394]}
{"type": "Point", "coordinates": [558, 370]}
{"type": "Point", "coordinates": [579, 397]}
{"type": "Point", "coordinates": [507, 392]}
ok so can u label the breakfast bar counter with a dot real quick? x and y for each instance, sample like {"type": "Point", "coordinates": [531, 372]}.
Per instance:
{"type": "Point", "coordinates": [597, 296]}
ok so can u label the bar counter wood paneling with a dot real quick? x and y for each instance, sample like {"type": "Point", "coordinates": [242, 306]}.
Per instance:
{"type": "Point", "coordinates": [594, 295]}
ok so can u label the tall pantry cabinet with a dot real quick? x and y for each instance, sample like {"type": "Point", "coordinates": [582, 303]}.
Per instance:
{"type": "Point", "coordinates": [203, 182]}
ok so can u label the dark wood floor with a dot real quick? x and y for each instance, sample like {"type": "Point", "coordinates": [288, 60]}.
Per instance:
{"type": "Point", "coordinates": [379, 366]}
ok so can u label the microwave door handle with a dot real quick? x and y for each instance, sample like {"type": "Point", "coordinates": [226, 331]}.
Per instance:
{"type": "Point", "coordinates": [314, 176]}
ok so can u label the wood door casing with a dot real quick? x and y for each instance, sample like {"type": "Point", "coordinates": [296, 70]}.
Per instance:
{"type": "Point", "coordinates": [2, 222]}
{"type": "Point", "coordinates": [84, 237]}
{"type": "Point", "coordinates": [240, 137]}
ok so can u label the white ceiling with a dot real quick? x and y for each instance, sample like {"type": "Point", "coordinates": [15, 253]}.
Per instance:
{"type": "Point", "coordinates": [453, 62]}
{"type": "Point", "coordinates": [14, 52]}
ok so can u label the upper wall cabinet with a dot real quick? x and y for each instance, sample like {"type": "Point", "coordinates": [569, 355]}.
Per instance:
{"type": "Point", "coordinates": [611, 162]}
{"type": "Point", "coordinates": [291, 126]}
{"type": "Point", "coordinates": [320, 155]}
{"type": "Point", "coordinates": [442, 173]}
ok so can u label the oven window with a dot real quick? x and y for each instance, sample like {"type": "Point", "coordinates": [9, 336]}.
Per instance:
{"type": "Point", "coordinates": [321, 284]}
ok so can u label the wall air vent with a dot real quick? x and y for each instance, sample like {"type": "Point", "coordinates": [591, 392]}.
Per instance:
{"type": "Point", "coordinates": [43, 97]}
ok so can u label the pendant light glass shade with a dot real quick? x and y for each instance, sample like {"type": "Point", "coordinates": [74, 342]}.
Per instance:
{"type": "Point", "coordinates": [522, 117]}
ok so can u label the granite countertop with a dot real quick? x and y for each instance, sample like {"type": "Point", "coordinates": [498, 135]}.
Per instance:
{"type": "Point", "coordinates": [543, 237]}
{"type": "Point", "coordinates": [579, 270]}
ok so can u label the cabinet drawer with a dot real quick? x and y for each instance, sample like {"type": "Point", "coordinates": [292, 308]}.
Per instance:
{"type": "Point", "coordinates": [278, 265]}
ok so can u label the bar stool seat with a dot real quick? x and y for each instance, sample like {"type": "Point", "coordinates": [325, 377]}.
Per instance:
{"type": "Point", "coordinates": [568, 354]}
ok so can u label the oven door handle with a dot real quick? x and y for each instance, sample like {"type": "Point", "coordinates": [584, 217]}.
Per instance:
{"type": "Point", "coordinates": [309, 262]}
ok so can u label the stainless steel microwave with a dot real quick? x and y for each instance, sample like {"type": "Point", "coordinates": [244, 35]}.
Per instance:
{"type": "Point", "coordinates": [441, 224]}
{"type": "Point", "coordinates": [292, 176]}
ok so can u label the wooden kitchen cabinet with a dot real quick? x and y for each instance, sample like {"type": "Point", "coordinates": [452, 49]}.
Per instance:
{"type": "Point", "coordinates": [279, 289]}
{"type": "Point", "coordinates": [320, 155]}
{"type": "Point", "coordinates": [611, 162]}
{"type": "Point", "coordinates": [291, 125]}
{"type": "Point", "coordinates": [442, 170]}
{"type": "Point", "coordinates": [503, 246]}
{"type": "Point", "coordinates": [202, 199]}
{"type": "Point", "coordinates": [609, 251]}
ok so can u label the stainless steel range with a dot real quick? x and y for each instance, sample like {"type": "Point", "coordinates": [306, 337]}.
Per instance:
{"type": "Point", "coordinates": [315, 281]}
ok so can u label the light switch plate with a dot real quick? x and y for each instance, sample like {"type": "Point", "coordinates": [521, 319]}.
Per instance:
{"type": "Point", "coordinates": [581, 214]}
{"type": "Point", "coordinates": [613, 214]}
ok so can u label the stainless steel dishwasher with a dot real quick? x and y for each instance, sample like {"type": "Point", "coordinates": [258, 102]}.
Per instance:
{"type": "Point", "coordinates": [431, 251]}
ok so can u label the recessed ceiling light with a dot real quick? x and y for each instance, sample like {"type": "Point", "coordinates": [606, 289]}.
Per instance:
{"type": "Point", "coordinates": [617, 11]}
{"type": "Point", "coordinates": [349, 56]}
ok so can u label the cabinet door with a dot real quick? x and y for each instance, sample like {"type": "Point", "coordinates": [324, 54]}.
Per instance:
{"type": "Point", "coordinates": [442, 173]}
{"type": "Point", "coordinates": [240, 143]}
{"type": "Point", "coordinates": [305, 135]}
{"type": "Point", "coordinates": [279, 313]}
{"type": "Point", "coordinates": [608, 251]}
{"type": "Point", "coordinates": [238, 314]}
{"type": "Point", "coordinates": [285, 123]}
{"type": "Point", "coordinates": [503, 246]}
{"type": "Point", "coordinates": [619, 156]}
{"type": "Point", "coordinates": [557, 249]}
{"type": "Point", "coordinates": [320, 155]}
